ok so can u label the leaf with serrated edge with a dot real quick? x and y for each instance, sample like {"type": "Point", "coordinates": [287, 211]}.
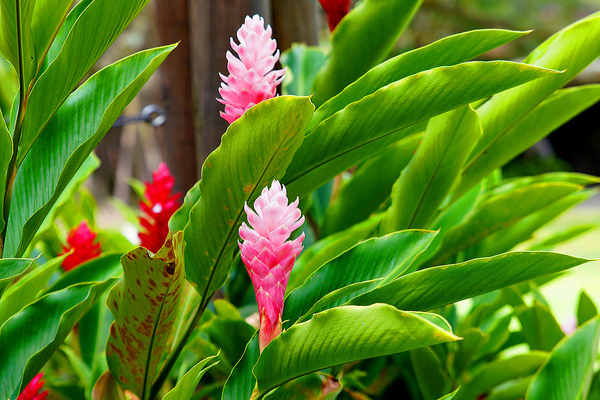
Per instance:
{"type": "Point", "coordinates": [144, 305]}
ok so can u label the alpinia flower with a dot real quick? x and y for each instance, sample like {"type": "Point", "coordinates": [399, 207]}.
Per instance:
{"type": "Point", "coordinates": [32, 390]}
{"type": "Point", "coordinates": [81, 241]}
{"type": "Point", "coordinates": [158, 206]}
{"type": "Point", "coordinates": [251, 76]}
{"type": "Point", "coordinates": [268, 254]}
{"type": "Point", "coordinates": [335, 10]}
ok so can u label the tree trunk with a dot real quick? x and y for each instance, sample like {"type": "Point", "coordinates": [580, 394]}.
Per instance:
{"type": "Point", "coordinates": [176, 136]}
{"type": "Point", "coordinates": [295, 21]}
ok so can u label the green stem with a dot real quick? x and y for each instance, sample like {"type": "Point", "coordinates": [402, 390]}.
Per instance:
{"type": "Point", "coordinates": [11, 171]}
{"type": "Point", "coordinates": [173, 355]}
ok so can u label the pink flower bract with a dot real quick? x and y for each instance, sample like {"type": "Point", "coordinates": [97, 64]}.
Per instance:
{"type": "Point", "coordinates": [32, 390]}
{"type": "Point", "coordinates": [335, 10]}
{"type": "Point", "coordinates": [81, 240]}
{"type": "Point", "coordinates": [269, 255]}
{"type": "Point", "coordinates": [251, 76]}
{"type": "Point", "coordinates": [158, 207]}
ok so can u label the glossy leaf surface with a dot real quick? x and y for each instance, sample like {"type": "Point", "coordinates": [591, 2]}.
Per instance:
{"type": "Point", "coordinates": [568, 372]}
{"type": "Point", "coordinates": [187, 384]}
{"type": "Point", "coordinates": [349, 137]}
{"type": "Point", "coordinates": [385, 257]}
{"type": "Point", "coordinates": [346, 334]}
{"type": "Point", "coordinates": [11, 269]}
{"type": "Point", "coordinates": [362, 39]}
{"type": "Point", "coordinates": [435, 287]}
{"type": "Point", "coordinates": [69, 138]}
{"type": "Point", "coordinates": [255, 150]}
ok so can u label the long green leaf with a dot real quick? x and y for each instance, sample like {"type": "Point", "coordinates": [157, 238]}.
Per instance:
{"type": "Point", "coordinates": [330, 247]}
{"type": "Point", "coordinates": [26, 289]}
{"type": "Point", "coordinates": [80, 51]}
{"type": "Point", "coordinates": [187, 385]}
{"type": "Point", "coordinates": [144, 304]}
{"type": "Point", "coordinates": [385, 257]}
{"type": "Point", "coordinates": [500, 212]}
{"type": "Point", "coordinates": [30, 337]}
{"type": "Point", "coordinates": [11, 269]}
{"type": "Point", "coordinates": [361, 40]}
{"type": "Point", "coordinates": [47, 18]}
{"type": "Point", "coordinates": [569, 50]}
{"type": "Point", "coordinates": [255, 150]}
{"type": "Point", "coordinates": [435, 287]}
{"type": "Point", "coordinates": [302, 64]}
{"type": "Point", "coordinates": [375, 176]}
{"type": "Point", "coordinates": [346, 334]}
{"type": "Point", "coordinates": [568, 372]}
{"type": "Point", "coordinates": [241, 382]}
{"type": "Point", "coordinates": [69, 138]}
{"type": "Point", "coordinates": [17, 39]}
{"type": "Point", "coordinates": [365, 127]}
{"type": "Point", "coordinates": [428, 178]}
{"type": "Point", "coordinates": [450, 50]}
{"type": "Point", "coordinates": [543, 119]}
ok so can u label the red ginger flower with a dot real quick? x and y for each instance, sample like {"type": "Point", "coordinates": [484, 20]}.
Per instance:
{"type": "Point", "coordinates": [31, 391]}
{"type": "Point", "coordinates": [335, 10]}
{"type": "Point", "coordinates": [81, 241]}
{"type": "Point", "coordinates": [158, 207]}
{"type": "Point", "coordinates": [251, 76]}
{"type": "Point", "coordinates": [268, 254]}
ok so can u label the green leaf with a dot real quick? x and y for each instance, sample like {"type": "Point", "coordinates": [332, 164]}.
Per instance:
{"type": "Point", "coordinates": [302, 63]}
{"type": "Point", "coordinates": [144, 304]}
{"type": "Point", "coordinates": [499, 371]}
{"type": "Point", "coordinates": [346, 334]}
{"type": "Point", "coordinates": [181, 217]}
{"type": "Point", "coordinates": [586, 309]}
{"type": "Point", "coordinates": [79, 52]}
{"type": "Point", "coordinates": [241, 382]}
{"type": "Point", "coordinates": [11, 269]}
{"type": "Point", "coordinates": [69, 138]}
{"type": "Point", "coordinates": [95, 270]}
{"type": "Point", "coordinates": [348, 137]}
{"type": "Point", "coordinates": [26, 289]}
{"type": "Point", "coordinates": [500, 212]}
{"type": "Point", "coordinates": [450, 50]}
{"type": "Point", "coordinates": [429, 373]}
{"type": "Point", "coordinates": [435, 287]}
{"type": "Point", "coordinates": [375, 176]}
{"type": "Point", "coordinates": [362, 40]}
{"type": "Point", "coordinates": [507, 238]}
{"type": "Point", "coordinates": [539, 327]}
{"type": "Point", "coordinates": [569, 50]}
{"type": "Point", "coordinates": [542, 120]}
{"type": "Point", "coordinates": [450, 396]}
{"type": "Point", "coordinates": [106, 387]}
{"type": "Point", "coordinates": [30, 337]}
{"type": "Point", "coordinates": [47, 18]}
{"type": "Point", "coordinates": [563, 236]}
{"type": "Point", "coordinates": [428, 178]}
{"type": "Point", "coordinates": [568, 372]}
{"type": "Point", "coordinates": [255, 150]}
{"type": "Point", "coordinates": [17, 38]}
{"type": "Point", "coordinates": [6, 151]}
{"type": "Point", "coordinates": [9, 86]}
{"type": "Point", "coordinates": [385, 257]}
{"type": "Point", "coordinates": [330, 247]}
{"type": "Point", "coordinates": [187, 385]}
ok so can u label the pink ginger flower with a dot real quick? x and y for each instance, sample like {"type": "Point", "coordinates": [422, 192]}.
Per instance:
{"type": "Point", "coordinates": [335, 10]}
{"type": "Point", "coordinates": [32, 390]}
{"type": "Point", "coordinates": [268, 254]}
{"type": "Point", "coordinates": [158, 206]}
{"type": "Point", "coordinates": [251, 76]}
{"type": "Point", "coordinates": [81, 241]}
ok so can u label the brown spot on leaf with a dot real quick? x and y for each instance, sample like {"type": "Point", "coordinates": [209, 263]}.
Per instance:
{"type": "Point", "coordinates": [248, 188]}
{"type": "Point", "coordinates": [230, 222]}
{"type": "Point", "coordinates": [115, 305]}
{"type": "Point", "coordinates": [152, 283]}
{"type": "Point", "coordinates": [170, 268]}
{"type": "Point", "coordinates": [138, 282]}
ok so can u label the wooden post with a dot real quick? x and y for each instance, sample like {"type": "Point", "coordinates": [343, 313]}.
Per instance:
{"type": "Point", "coordinates": [176, 136]}
{"type": "Point", "coordinates": [212, 23]}
{"type": "Point", "coordinates": [295, 21]}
